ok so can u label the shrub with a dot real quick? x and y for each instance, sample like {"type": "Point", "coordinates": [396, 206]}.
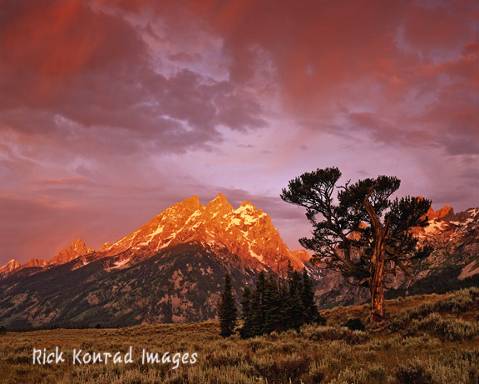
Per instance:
{"type": "Point", "coordinates": [322, 333]}
{"type": "Point", "coordinates": [455, 366]}
{"type": "Point", "coordinates": [225, 357]}
{"type": "Point", "coordinates": [413, 373]}
{"type": "Point", "coordinates": [356, 375]}
{"type": "Point", "coordinates": [355, 325]}
{"type": "Point", "coordinates": [460, 301]}
{"type": "Point", "coordinates": [315, 375]}
{"type": "Point", "coordinates": [446, 329]}
{"type": "Point", "coordinates": [320, 320]}
{"type": "Point", "coordinates": [257, 343]}
{"type": "Point", "coordinates": [474, 375]}
{"type": "Point", "coordinates": [281, 368]}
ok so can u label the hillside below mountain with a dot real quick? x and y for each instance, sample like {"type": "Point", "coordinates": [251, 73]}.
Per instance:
{"type": "Point", "coordinates": [452, 264]}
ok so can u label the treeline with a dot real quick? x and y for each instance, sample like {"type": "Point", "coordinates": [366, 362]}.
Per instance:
{"type": "Point", "coordinates": [275, 304]}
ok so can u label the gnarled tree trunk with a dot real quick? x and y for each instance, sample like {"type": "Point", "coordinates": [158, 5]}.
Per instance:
{"type": "Point", "coordinates": [377, 278]}
{"type": "Point", "coordinates": [377, 264]}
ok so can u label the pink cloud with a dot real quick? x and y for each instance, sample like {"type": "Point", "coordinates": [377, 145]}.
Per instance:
{"type": "Point", "coordinates": [114, 109]}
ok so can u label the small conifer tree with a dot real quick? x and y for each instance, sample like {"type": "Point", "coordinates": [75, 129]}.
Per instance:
{"type": "Point", "coordinates": [311, 314]}
{"type": "Point", "coordinates": [227, 310]}
{"type": "Point", "coordinates": [246, 305]}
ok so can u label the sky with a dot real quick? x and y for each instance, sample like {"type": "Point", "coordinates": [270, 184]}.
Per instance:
{"type": "Point", "coordinates": [112, 110]}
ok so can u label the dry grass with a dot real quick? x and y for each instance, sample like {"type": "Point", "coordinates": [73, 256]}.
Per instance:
{"type": "Point", "coordinates": [428, 339]}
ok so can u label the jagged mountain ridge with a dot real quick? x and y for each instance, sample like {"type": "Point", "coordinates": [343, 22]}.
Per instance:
{"type": "Point", "coordinates": [452, 264]}
{"type": "Point", "coordinates": [179, 284]}
{"type": "Point", "coordinates": [170, 269]}
{"type": "Point", "coordinates": [454, 239]}
{"type": "Point", "coordinates": [75, 249]}
{"type": "Point", "coordinates": [9, 267]}
{"type": "Point", "coordinates": [246, 231]}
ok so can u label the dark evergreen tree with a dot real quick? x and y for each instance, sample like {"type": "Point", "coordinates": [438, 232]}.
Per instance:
{"type": "Point", "coordinates": [227, 310]}
{"type": "Point", "coordinates": [246, 305]}
{"type": "Point", "coordinates": [256, 315]}
{"type": "Point", "coordinates": [284, 311]}
{"type": "Point", "coordinates": [278, 304]}
{"type": "Point", "coordinates": [294, 301]}
{"type": "Point", "coordinates": [272, 303]}
{"type": "Point", "coordinates": [311, 314]}
{"type": "Point", "coordinates": [168, 312]}
{"type": "Point", "coordinates": [257, 306]}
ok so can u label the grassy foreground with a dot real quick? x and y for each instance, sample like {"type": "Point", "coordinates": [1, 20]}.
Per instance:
{"type": "Point", "coordinates": [427, 339]}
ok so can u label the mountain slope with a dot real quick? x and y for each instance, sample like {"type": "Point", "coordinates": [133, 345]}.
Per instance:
{"type": "Point", "coordinates": [11, 266]}
{"type": "Point", "coordinates": [246, 231]}
{"type": "Point", "coordinates": [170, 269]}
{"type": "Point", "coordinates": [452, 264]}
{"type": "Point", "coordinates": [75, 249]}
{"type": "Point", "coordinates": [454, 260]}
{"type": "Point", "coordinates": [181, 283]}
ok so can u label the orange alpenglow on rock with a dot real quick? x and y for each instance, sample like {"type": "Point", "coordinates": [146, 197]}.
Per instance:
{"type": "Point", "coordinates": [441, 213]}
{"type": "Point", "coordinates": [75, 249]}
{"type": "Point", "coordinates": [11, 266]}
{"type": "Point", "coordinates": [245, 231]}
{"type": "Point", "coordinates": [35, 263]}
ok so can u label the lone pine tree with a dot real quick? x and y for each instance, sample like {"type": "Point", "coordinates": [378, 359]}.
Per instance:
{"type": "Point", "coordinates": [359, 229]}
{"type": "Point", "coordinates": [227, 309]}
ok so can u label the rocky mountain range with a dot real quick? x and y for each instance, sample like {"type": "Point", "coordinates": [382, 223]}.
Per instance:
{"type": "Point", "coordinates": [171, 269]}
{"type": "Point", "coordinates": [452, 264]}
{"type": "Point", "coordinates": [75, 249]}
{"type": "Point", "coordinates": [454, 261]}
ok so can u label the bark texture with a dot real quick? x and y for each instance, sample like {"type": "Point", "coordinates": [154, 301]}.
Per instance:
{"type": "Point", "coordinates": [377, 264]}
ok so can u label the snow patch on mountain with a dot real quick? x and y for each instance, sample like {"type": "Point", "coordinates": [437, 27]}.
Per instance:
{"type": "Point", "coordinates": [435, 226]}
{"type": "Point", "coordinates": [217, 222]}
{"type": "Point", "coordinates": [11, 266]}
{"type": "Point", "coordinates": [120, 264]}
{"type": "Point", "coordinates": [469, 270]}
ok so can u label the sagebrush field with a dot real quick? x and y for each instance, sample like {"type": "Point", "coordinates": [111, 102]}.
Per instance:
{"type": "Point", "coordinates": [426, 339]}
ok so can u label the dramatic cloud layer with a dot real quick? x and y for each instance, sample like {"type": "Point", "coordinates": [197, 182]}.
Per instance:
{"type": "Point", "coordinates": [110, 110]}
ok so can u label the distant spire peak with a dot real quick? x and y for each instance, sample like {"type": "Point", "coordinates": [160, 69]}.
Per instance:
{"type": "Point", "coordinates": [192, 201]}
{"type": "Point", "coordinates": [220, 196]}
{"type": "Point", "coordinates": [247, 204]}
{"type": "Point", "coordinates": [219, 200]}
